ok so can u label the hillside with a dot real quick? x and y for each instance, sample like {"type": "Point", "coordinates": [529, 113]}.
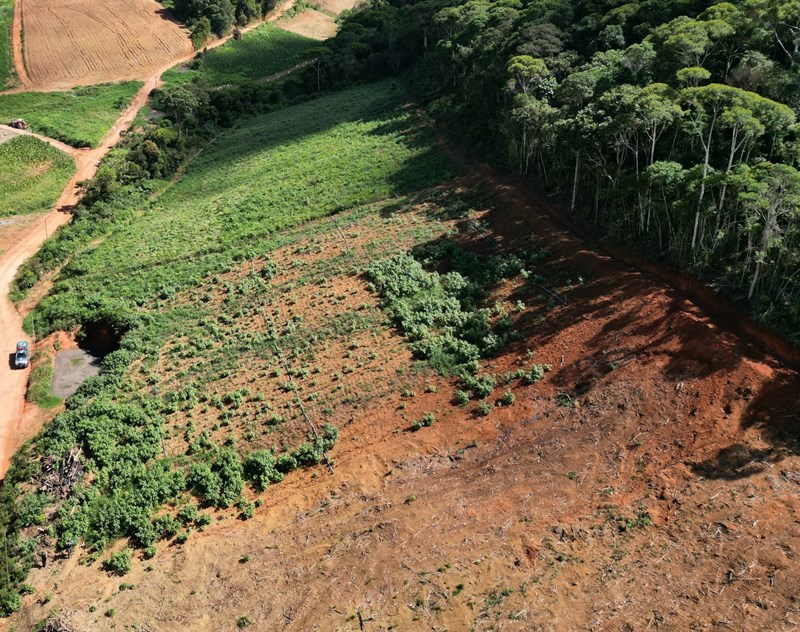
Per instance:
{"type": "Point", "coordinates": [653, 438]}
{"type": "Point", "coordinates": [442, 324]}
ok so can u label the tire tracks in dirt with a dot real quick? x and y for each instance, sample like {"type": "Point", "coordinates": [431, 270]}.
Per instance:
{"type": "Point", "coordinates": [15, 414]}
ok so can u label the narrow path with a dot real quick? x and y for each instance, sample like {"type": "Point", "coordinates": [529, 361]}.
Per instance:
{"type": "Point", "coordinates": [16, 45]}
{"type": "Point", "coordinates": [67, 149]}
{"type": "Point", "coordinates": [13, 383]}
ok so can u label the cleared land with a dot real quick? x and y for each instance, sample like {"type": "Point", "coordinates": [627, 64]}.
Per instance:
{"type": "Point", "coordinates": [79, 117]}
{"type": "Point", "coordinates": [311, 23]}
{"type": "Point", "coordinates": [657, 445]}
{"type": "Point", "coordinates": [6, 56]}
{"type": "Point", "coordinates": [262, 52]}
{"type": "Point", "coordinates": [83, 42]}
{"type": "Point", "coordinates": [316, 20]}
{"type": "Point", "coordinates": [32, 175]}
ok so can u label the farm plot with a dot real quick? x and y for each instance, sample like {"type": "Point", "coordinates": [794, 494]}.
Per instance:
{"type": "Point", "coordinates": [79, 117]}
{"type": "Point", "coordinates": [316, 20]}
{"type": "Point", "coordinates": [32, 175]}
{"type": "Point", "coordinates": [311, 23]}
{"type": "Point", "coordinates": [260, 53]}
{"type": "Point", "coordinates": [272, 172]}
{"type": "Point", "coordinates": [83, 42]}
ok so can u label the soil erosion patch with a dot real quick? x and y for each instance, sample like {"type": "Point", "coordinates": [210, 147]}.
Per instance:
{"type": "Point", "coordinates": [82, 42]}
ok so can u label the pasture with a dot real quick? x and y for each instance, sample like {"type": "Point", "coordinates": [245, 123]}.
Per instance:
{"type": "Point", "coordinates": [260, 53]}
{"type": "Point", "coordinates": [79, 117]}
{"type": "Point", "coordinates": [32, 175]}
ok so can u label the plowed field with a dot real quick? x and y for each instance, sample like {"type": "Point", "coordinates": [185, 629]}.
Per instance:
{"type": "Point", "coordinates": [75, 42]}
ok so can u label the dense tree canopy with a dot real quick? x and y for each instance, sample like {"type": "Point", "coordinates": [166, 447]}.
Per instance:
{"type": "Point", "coordinates": [672, 126]}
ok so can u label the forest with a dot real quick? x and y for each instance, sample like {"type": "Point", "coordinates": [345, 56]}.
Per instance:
{"type": "Point", "coordinates": [670, 127]}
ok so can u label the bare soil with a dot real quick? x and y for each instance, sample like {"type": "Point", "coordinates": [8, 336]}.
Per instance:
{"type": "Point", "coordinates": [650, 481]}
{"type": "Point", "coordinates": [317, 24]}
{"type": "Point", "coordinates": [311, 23]}
{"type": "Point", "coordinates": [83, 42]}
{"type": "Point", "coordinates": [72, 368]}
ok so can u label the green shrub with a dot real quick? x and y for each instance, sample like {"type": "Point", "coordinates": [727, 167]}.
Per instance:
{"type": "Point", "coordinates": [10, 602]}
{"type": "Point", "coordinates": [484, 408]}
{"type": "Point", "coordinates": [427, 420]}
{"type": "Point", "coordinates": [461, 398]}
{"type": "Point", "coordinates": [508, 398]}
{"type": "Point", "coordinates": [481, 386]}
{"type": "Point", "coordinates": [119, 563]}
{"type": "Point", "coordinates": [187, 514]}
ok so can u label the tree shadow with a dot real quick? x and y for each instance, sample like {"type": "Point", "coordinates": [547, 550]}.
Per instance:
{"type": "Point", "coordinates": [774, 411]}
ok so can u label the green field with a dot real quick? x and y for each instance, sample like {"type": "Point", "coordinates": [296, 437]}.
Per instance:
{"type": "Point", "coordinates": [6, 55]}
{"type": "Point", "coordinates": [272, 172]}
{"type": "Point", "coordinates": [32, 175]}
{"type": "Point", "coordinates": [357, 149]}
{"type": "Point", "coordinates": [79, 117]}
{"type": "Point", "coordinates": [260, 53]}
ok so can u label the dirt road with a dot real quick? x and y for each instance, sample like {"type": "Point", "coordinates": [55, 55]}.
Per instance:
{"type": "Point", "coordinates": [16, 44]}
{"type": "Point", "coordinates": [13, 383]}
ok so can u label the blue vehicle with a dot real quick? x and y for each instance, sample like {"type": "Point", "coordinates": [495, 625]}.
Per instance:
{"type": "Point", "coordinates": [22, 356]}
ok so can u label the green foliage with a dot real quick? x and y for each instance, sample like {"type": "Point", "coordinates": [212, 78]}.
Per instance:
{"type": "Point", "coordinates": [39, 382]}
{"type": "Point", "coordinates": [119, 563]}
{"type": "Point", "coordinates": [31, 509]}
{"type": "Point", "coordinates": [260, 53]}
{"type": "Point", "coordinates": [427, 420]}
{"type": "Point", "coordinates": [10, 602]}
{"type": "Point", "coordinates": [32, 175]}
{"type": "Point", "coordinates": [79, 117]}
{"type": "Point", "coordinates": [480, 385]}
{"type": "Point", "coordinates": [187, 514]}
{"type": "Point", "coordinates": [436, 312]}
{"type": "Point", "coordinates": [260, 469]}
{"type": "Point", "coordinates": [220, 483]}
{"type": "Point", "coordinates": [7, 74]}
{"type": "Point", "coordinates": [484, 409]}
{"type": "Point", "coordinates": [461, 398]}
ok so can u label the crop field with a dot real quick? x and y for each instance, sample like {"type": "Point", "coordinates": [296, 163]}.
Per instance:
{"type": "Point", "coordinates": [6, 57]}
{"type": "Point", "coordinates": [83, 42]}
{"type": "Point", "coordinates": [79, 117]}
{"type": "Point", "coordinates": [260, 53]}
{"type": "Point", "coordinates": [32, 175]}
{"type": "Point", "coordinates": [272, 172]}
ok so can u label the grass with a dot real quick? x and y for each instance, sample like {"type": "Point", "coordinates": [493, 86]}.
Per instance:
{"type": "Point", "coordinates": [274, 171]}
{"type": "Point", "coordinates": [79, 117]}
{"type": "Point", "coordinates": [32, 175]}
{"type": "Point", "coordinates": [260, 53]}
{"type": "Point", "coordinates": [6, 55]}
{"type": "Point", "coordinates": [39, 383]}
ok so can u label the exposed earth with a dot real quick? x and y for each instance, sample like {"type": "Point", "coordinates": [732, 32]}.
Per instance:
{"type": "Point", "coordinates": [81, 42]}
{"type": "Point", "coordinates": [650, 481]}
{"type": "Point", "coordinates": [72, 368]}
